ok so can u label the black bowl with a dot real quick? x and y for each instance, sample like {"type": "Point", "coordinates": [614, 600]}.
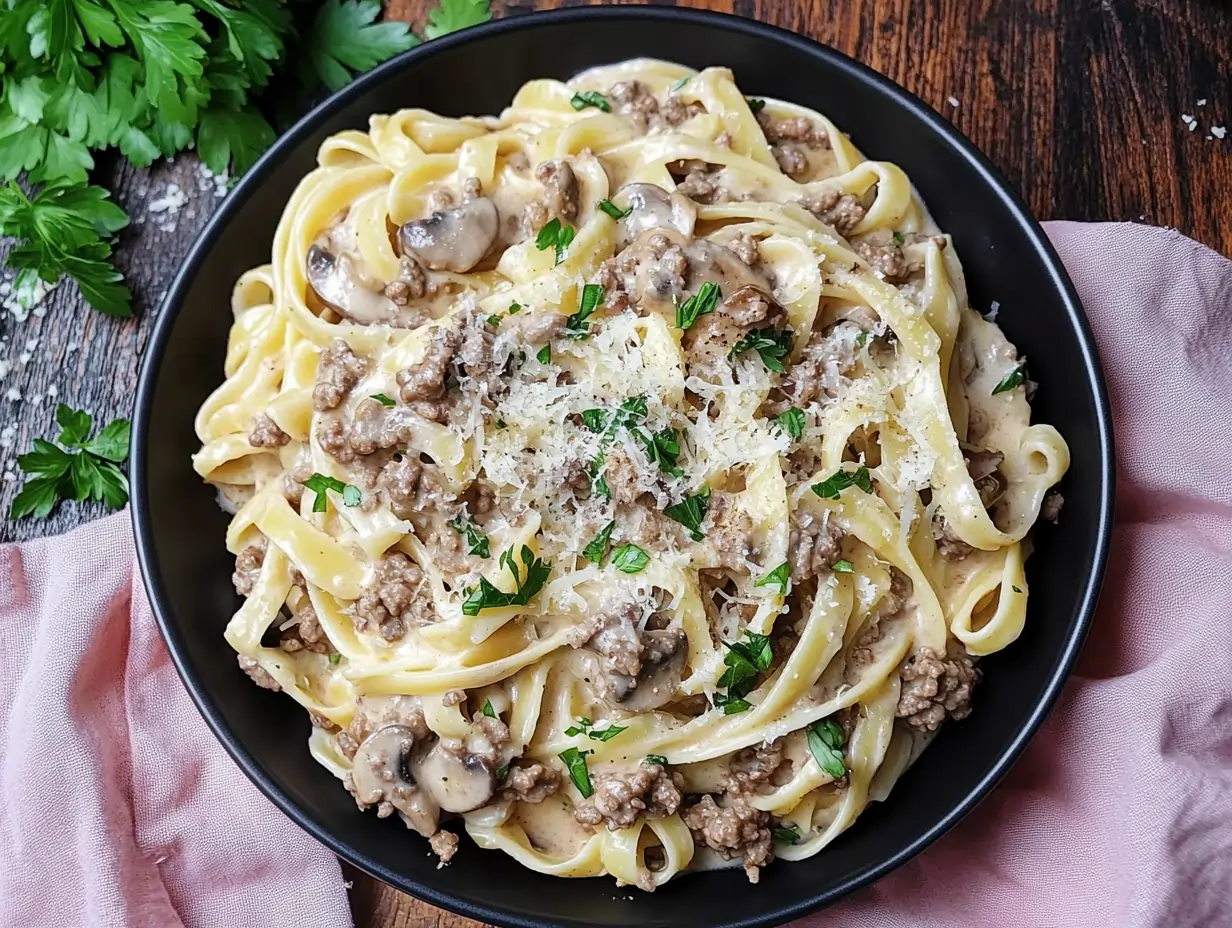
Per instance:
{"type": "Point", "coordinates": [180, 530]}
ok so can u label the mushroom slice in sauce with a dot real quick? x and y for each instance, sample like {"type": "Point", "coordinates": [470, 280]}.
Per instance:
{"type": "Point", "coordinates": [662, 670]}
{"type": "Point", "coordinates": [456, 782]}
{"type": "Point", "coordinates": [335, 281]}
{"type": "Point", "coordinates": [452, 239]}
{"type": "Point", "coordinates": [655, 208]}
{"type": "Point", "coordinates": [380, 774]}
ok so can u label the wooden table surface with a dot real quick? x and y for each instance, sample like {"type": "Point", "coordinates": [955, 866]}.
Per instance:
{"type": "Point", "coordinates": [1078, 102]}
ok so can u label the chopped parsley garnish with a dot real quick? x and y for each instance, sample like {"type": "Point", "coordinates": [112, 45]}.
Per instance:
{"type": "Point", "coordinates": [585, 727]}
{"type": "Point", "coordinates": [1013, 379]}
{"type": "Point", "coordinates": [691, 512]}
{"type": "Point", "coordinates": [335, 657]}
{"type": "Point", "coordinates": [663, 449]}
{"type": "Point", "coordinates": [576, 326]}
{"type": "Point", "coordinates": [825, 743]}
{"type": "Point", "coordinates": [862, 339]}
{"type": "Point", "coordinates": [842, 567]}
{"type": "Point", "coordinates": [494, 320]}
{"type": "Point", "coordinates": [680, 83]}
{"type": "Point", "coordinates": [598, 482]}
{"type": "Point", "coordinates": [544, 354]}
{"type": "Point", "coordinates": [575, 762]}
{"type": "Point", "coordinates": [553, 235]}
{"type": "Point", "coordinates": [503, 772]}
{"type": "Point", "coordinates": [786, 834]}
{"type": "Point", "coordinates": [319, 483]}
{"type": "Point", "coordinates": [755, 105]}
{"type": "Point", "coordinates": [383, 399]}
{"type": "Point", "coordinates": [487, 596]}
{"type": "Point", "coordinates": [595, 419]}
{"type": "Point", "coordinates": [898, 238]}
{"type": "Point", "coordinates": [1015, 589]}
{"type": "Point", "coordinates": [744, 661]}
{"type": "Point", "coordinates": [656, 759]}
{"type": "Point", "coordinates": [699, 304]}
{"type": "Point", "coordinates": [832, 486]}
{"type": "Point", "coordinates": [791, 422]}
{"type": "Point", "coordinates": [596, 550]}
{"type": "Point", "coordinates": [630, 559]}
{"type": "Point", "coordinates": [488, 710]}
{"type": "Point", "coordinates": [778, 579]}
{"type": "Point", "coordinates": [499, 423]}
{"type": "Point", "coordinates": [515, 307]}
{"type": "Point", "coordinates": [771, 346]}
{"type": "Point", "coordinates": [477, 541]}
{"type": "Point", "coordinates": [590, 98]}
{"type": "Point", "coordinates": [613, 210]}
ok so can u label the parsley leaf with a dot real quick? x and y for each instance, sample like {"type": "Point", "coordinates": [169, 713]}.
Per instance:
{"type": "Point", "coordinates": [335, 658]}
{"type": "Point", "coordinates": [862, 339]}
{"type": "Point", "coordinates": [825, 743]}
{"type": "Point", "coordinates": [488, 710]}
{"type": "Point", "coordinates": [755, 105]}
{"type": "Point", "coordinates": [582, 727]}
{"type": "Point", "coordinates": [383, 399]}
{"type": "Point", "coordinates": [679, 84]}
{"type": "Point", "coordinates": [744, 661]}
{"type": "Point", "coordinates": [544, 355]}
{"type": "Point", "coordinates": [606, 734]}
{"type": "Point", "coordinates": [579, 773]}
{"type": "Point", "coordinates": [898, 238]}
{"type": "Point", "coordinates": [778, 579]}
{"type": "Point", "coordinates": [655, 759]}
{"type": "Point", "coordinates": [88, 473]}
{"type": "Point", "coordinates": [596, 550]}
{"type": "Point", "coordinates": [557, 236]}
{"type": "Point", "coordinates": [453, 15]}
{"type": "Point", "coordinates": [842, 567]}
{"type": "Point", "coordinates": [786, 835]}
{"type": "Point", "coordinates": [791, 421]}
{"type": "Point", "coordinates": [344, 38]}
{"type": "Point", "coordinates": [576, 326]}
{"type": "Point", "coordinates": [630, 559]}
{"type": "Point", "coordinates": [1015, 588]}
{"type": "Point", "coordinates": [1016, 376]}
{"type": "Point", "coordinates": [832, 486]}
{"type": "Point", "coordinates": [663, 449]}
{"type": "Point", "coordinates": [595, 419]}
{"type": "Point", "coordinates": [771, 346]}
{"type": "Point", "coordinates": [235, 137]}
{"type": "Point", "coordinates": [613, 210]}
{"type": "Point", "coordinates": [477, 541]}
{"type": "Point", "coordinates": [319, 483]}
{"type": "Point", "coordinates": [699, 304]}
{"type": "Point", "coordinates": [691, 512]}
{"type": "Point", "coordinates": [61, 231]}
{"type": "Point", "coordinates": [590, 98]}
{"type": "Point", "coordinates": [488, 596]}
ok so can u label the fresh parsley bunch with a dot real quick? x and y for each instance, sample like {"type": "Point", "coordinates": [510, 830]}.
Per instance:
{"type": "Point", "coordinates": [151, 78]}
{"type": "Point", "coordinates": [77, 467]}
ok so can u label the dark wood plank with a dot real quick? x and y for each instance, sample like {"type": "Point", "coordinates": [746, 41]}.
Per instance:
{"type": "Point", "coordinates": [1078, 102]}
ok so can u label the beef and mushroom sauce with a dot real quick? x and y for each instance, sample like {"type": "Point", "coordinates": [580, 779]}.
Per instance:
{"type": "Point", "coordinates": [599, 488]}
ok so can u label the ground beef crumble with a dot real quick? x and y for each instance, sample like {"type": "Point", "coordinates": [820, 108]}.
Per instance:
{"type": "Point", "coordinates": [635, 100]}
{"type": "Point", "coordinates": [338, 370]}
{"type": "Point", "coordinates": [936, 686]}
{"type": "Point", "coordinates": [257, 673]}
{"type": "Point", "coordinates": [620, 798]}
{"type": "Point", "coordinates": [248, 568]}
{"type": "Point", "coordinates": [397, 600]}
{"type": "Point", "coordinates": [841, 210]}
{"type": "Point", "coordinates": [886, 259]}
{"type": "Point", "coordinates": [735, 830]}
{"type": "Point", "coordinates": [752, 769]}
{"type": "Point", "coordinates": [265, 433]}
{"type": "Point", "coordinates": [530, 781]}
{"type": "Point", "coordinates": [444, 845]}
{"type": "Point", "coordinates": [814, 545]}
{"type": "Point", "coordinates": [560, 189]}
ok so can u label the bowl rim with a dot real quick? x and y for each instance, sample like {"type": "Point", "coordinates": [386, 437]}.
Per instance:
{"type": "Point", "coordinates": [257, 175]}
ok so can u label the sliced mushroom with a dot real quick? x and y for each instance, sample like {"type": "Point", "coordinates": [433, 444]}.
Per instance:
{"type": "Point", "coordinates": [452, 239]}
{"type": "Point", "coordinates": [335, 281]}
{"type": "Point", "coordinates": [380, 777]}
{"type": "Point", "coordinates": [663, 663]}
{"type": "Point", "coordinates": [655, 208]}
{"type": "Point", "coordinates": [456, 782]}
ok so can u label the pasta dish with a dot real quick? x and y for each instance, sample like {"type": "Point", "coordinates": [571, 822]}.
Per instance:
{"type": "Point", "coordinates": [623, 479]}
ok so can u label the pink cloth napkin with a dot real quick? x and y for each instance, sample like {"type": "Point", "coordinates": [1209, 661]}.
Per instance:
{"type": "Point", "coordinates": [120, 809]}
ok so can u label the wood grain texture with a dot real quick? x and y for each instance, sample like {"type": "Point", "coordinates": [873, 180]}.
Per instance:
{"type": "Point", "coordinates": [1078, 102]}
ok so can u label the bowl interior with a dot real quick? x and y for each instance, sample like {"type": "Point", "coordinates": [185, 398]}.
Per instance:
{"type": "Point", "coordinates": [180, 529]}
